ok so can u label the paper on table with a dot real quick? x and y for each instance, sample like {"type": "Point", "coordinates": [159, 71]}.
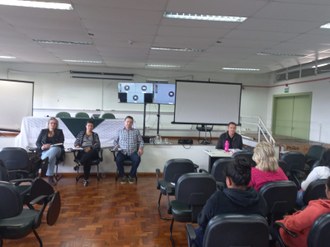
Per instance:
{"type": "Point", "coordinates": [57, 144]}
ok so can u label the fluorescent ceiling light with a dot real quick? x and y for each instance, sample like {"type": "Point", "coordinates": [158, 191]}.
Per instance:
{"type": "Point", "coordinates": [199, 17]}
{"type": "Point", "coordinates": [240, 69]}
{"type": "Point", "coordinates": [280, 54]}
{"type": "Point", "coordinates": [61, 42]}
{"type": "Point", "coordinates": [320, 65]}
{"type": "Point", "coordinates": [81, 61]}
{"type": "Point", "coordinates": [7, 57]}
{"type": "Point", "coordinates": [175, 49]}
{"type": "Point", "coordinates": [37, 4]}
{"type": "Point", "coordinates": [325, 26]}
{"type": "Point", "coordinates": [170, 66]}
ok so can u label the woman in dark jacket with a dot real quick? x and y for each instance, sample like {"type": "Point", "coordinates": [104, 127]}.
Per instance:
{"type": "Point", "coordinates": [50, 145]}
{"type": "Point", "coordinates": [90, 143]}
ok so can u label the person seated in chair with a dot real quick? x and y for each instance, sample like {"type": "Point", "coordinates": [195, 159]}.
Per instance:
{"type": "Point", "coordinates": [321, 171]}
{"type": "Point", "coordinates": [90, 142]}
{"type": "Point", "coordinates": [129, 144]}
{"type": "Point", "coordinates": [267, 168]}
{"type": "Point", "coordinates": [236, 198]}
{"type": "Point", "coordinates": [234, 139]}
{"type": "Point", "coordinates": [50, 145]}
{"type": "Point", "coordinates": [301, 222]}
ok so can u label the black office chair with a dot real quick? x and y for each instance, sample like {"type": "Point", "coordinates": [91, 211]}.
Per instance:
{"type": "Point", "coordinates": [319, 235]}
{"type": "Point", "coordinates": [245, 155]}
{"type": "Point", "coordinates": [315, 190]}
{"type": "Point", "coordinates": [95, 162]}
{"type": "Point", "coordinates": [108, 115]}
{"type": "Point", "coordinates": [191, 193]}
{"type": "Point", "coordinates": [16, 221]}
{"type": "Point", "coordinates": [219, 171]}
{"type": "Point", "coordinates": [280, 197]}
{"type": "Point", "coordinates": [173, 169]}
{"type": "Point", "coordinates": [228, 230]}
{"type": "Point", "coordinates": [17, 163]}
{"type": "Point", "coordinates": [314, 154]}
{"type": "Point", "coordinates": [296, 166]}
{"type": "Point", "coordinates": [127, 163]}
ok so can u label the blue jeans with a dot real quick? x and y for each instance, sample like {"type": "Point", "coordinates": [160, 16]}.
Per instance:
{"type": "Point", "coordinates": [134, 157]}
{"type": "Point", "coordinates": [299, 200]}
{"type": "Point", "coordinates": [52, 154]}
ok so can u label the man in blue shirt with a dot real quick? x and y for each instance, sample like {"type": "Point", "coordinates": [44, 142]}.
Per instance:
{"type": "Point", "coordinates": [129, 142]}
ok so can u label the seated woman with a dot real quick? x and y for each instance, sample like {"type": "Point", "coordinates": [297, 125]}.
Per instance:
{"type": "Point", "coordinates": [321, 171]}
{"type": "Point", "coordinates": [50, 145]}
{"type": "Point", "coordinates": [90, 142]}
{"type": "Point", "coordinates": [267, 169]}
{"type": "Point", "coordinates": [301, 222]}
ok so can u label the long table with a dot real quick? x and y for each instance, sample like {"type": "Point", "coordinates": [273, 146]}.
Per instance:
{"type": "Point", "coordinates": [31, 126]}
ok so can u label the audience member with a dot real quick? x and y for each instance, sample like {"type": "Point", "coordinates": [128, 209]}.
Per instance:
{"type": "Point", "coordinates": [90, 142]}
{"type": "Point", "coordinates": [267, 168]}
{"type": "Point", "coordinates": [234, 139]}
{"type": "Point", "coordinates": [50, 145]}
{"type": "Point", "coordinates": [129, 144]}
{"type": "Point", "coordinates": [300, 223]}
{"type": "Point", "coordinates": [236, 198]}
{"type": "Point", "coordinates": [322, 171]}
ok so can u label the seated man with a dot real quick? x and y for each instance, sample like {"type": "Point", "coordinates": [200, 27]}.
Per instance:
{"type": "Point", "coordinates": [129, 142]}
{"type": "Point", "coordinates": [236, 198]}
{"type": "Point", "coordinates": [302, 221]}
{"type": "Point", "coordinates": [234, 139]}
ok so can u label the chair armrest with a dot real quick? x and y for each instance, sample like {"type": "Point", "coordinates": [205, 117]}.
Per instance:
{"type": "Point", "coordinates": [196, 167]}
{"type": "Point", "coordinates": [278, 225]}
{"type": "Point", "coordinates": [191, 234]}
{"type": "Point", "coordinates": [101, 154]}
{"type": "Point", "coordinates": [203, 171]}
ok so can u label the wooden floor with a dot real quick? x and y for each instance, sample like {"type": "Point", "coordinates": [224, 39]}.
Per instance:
{"type": "Point", "coordinates": [107, 214]}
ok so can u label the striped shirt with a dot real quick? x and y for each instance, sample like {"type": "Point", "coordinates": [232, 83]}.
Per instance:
{"type": "Point", "coordinates": [129, 141]}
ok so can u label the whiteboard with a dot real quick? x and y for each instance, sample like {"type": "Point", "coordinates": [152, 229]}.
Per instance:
{"type": "Point", "coordinates": [215, 103]}
{"type": "Point", "coordinates": [16, 101]}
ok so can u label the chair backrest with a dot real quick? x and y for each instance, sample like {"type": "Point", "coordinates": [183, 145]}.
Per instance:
{"type": "Point", "coordinates": [244, 155]}
{"type": "Point", "coordinates": [63, 114]}
{"type": "Point", "coordinates": [319, 235]}
{"type": "Point", "coordinates": [81, 115]}
{"type": "Point", "coordinates": [15, 159]}
{"type": "Point", "coordinates": [236, 230]}
{"type": "Point", "coordinates": [285, 167]}
{"type": "Point", "coordinates": [315, 152]}
{"type": "Point", "coordinates": [194, 189]}
{"type": "Point", "coordinates": [108, 115]}
{"type": "Point", "coordinates": [294, 160]}
{"type": "Point", "coordinates": [3, 172]}
{"type": "Point", "coordinates": [54, 209]}
{"type": "Point", "coordinates": [315, 190]}
{"type": "Point", "coordinates": [280, 197]}
{"type": "Point", "coordinates": [219, 169]}
{"type": "Point", "coordinates": [175, 168]}
{"type": "Point", "coordinates": [11, 204]}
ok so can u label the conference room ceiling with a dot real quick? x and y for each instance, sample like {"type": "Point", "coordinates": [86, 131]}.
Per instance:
{"type": "Point", "coordinates": [120, 34]}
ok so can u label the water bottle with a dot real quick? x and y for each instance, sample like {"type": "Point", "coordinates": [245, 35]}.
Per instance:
{"type": "Point", "coordinates": [226, 145]}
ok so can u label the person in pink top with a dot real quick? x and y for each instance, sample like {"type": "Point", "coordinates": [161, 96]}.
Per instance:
{"type": "Point", "coordinates": [267, 169]}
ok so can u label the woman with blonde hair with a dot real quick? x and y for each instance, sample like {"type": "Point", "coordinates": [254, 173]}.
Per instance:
{"type": "Point", "coordinates": [267, 169]}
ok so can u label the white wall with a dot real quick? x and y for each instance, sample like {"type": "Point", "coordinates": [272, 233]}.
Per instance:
{"type": "Point", "coordinates": [56, 91]}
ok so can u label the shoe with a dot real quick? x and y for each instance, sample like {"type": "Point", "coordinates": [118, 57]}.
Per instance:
{"type": "Point", "coordinates": [123, 180]}
{"type": "Point", "coordinates": [85, 182]}
{"type": "Point", "coordinates": [51, 180]}
{"type": "Point", "coordinates": [76, 168]}
{"type": "Point", "coordinates": [131, 180]}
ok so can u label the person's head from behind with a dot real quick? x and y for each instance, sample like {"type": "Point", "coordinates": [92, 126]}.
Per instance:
{"type": "Point", "coordinates": [52, 124]}
{"type": "Point", "coordinates": [89, 125]}
{"type": "Point", "coordinates": [238, 174]}
{"type": "Point", "coordinates": [264, 156]}
{"type": "Point", "coordinates": [231, 129]}
{"type": "Point", "coordinates": [325, 159]}
{"type": "Point", "coordinates": [128, 123]}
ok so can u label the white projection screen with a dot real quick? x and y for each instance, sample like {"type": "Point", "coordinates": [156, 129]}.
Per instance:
{"type": "Point", "coordinates": [16, 100]}
{"type": "Point", "coordinates": [213, 103]}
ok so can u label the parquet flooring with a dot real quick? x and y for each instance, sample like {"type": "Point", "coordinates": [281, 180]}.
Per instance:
{"type": "Point", "coordinates": [107, 213]}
